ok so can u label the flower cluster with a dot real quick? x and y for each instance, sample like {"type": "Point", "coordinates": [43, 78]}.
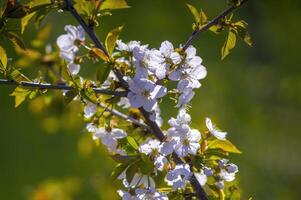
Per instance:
{"type": "Point", "coordinates": [147, 73]}
{"type": "Point", "coordinates": [69, 44]}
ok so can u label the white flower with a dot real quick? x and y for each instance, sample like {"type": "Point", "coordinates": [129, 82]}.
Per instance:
{"type": "Point", "coordinates": [126, 196]}
{"type": "Point", "coordinates": [232, 168]}
{"type": "Point", "coordinates": [179, 176]}
{"type": "Point", "coordinates": [189, 73]}
{"type": "Point", "coordinates": [214, 130]}
{"type": "Point", "coordinates": [208, 171]}
{"type": "Point", "coordinates": [110, 138]}
{"type": "Point", "coordinates": [91, 127]}
{"type": "Point", "coordinates": [141, 62]}
{"type": "Point", "coordinates": [151, 146]}
{"type": "Point", "coordinates": [124, 102]}
{"type": "Point", "coordinates": [160, 161]}
{"type": "Point", "coordinates": [142, 180]}
{"type": "Point", "coordinates": [155, 116]}
{"type": "Point", "coordinates": [223, 162]}
{"type": "Point", "coordinates": [226, 175]}
{"type": "Point", "coordinates": [161, 60]}
{"type": "Point", "coordinates": [185, 97]}
{"type": "Point", "coordinates": [90, 110]}
{"type": "Point", "coordinates": [182, 121]}
{"type": "Point", "coordinates": [73, 68]}
{"type": "Point", "coordinates": [228, 171]}
{"type": "Point", "coordinates": [220, 184]}
{"type": "Point", "coordinates": [201, 177]}
{"type": "Point", "coordinates": [150, 194]}
{"type": "Point", "coordinates": [184, 140]}
{"type": "Point", "coordinates": [129, 47]}
{"type": "Point", "coordinates": [188, 143]}
{"type": "Point", "coordinates": [68, 43]}
{"type": "Point", "coordinates": [144, 93]}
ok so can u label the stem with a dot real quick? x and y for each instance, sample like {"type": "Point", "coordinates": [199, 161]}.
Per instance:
{"type": "Point", "coordinates": [211, 23]}
{"type": "Point", "coordinates": [59, 87]}
{"type": "Point", "coordinates": [124, 116]}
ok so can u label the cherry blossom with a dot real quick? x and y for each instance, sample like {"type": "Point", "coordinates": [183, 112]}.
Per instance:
{"type": "Point", "coordinates": [161, 60]}
{"type": "Point", "coordinates": [179, 176]}
{"type": "Point", "coordinates": [214, 130]}
{"type": "Point", "coordinates": [144, 93]}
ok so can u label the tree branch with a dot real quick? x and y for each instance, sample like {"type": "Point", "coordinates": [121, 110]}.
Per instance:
{"type": "Point", "coordinates": [200, 193]}
{"type": "Point", "coordinates": [89, 31]}
{"type": "Point", "coordinates": [60, 87]}
{"type": "Point", "coordinates": [124, 116]}
{"type": "Point", "coordinates": [213, 22]}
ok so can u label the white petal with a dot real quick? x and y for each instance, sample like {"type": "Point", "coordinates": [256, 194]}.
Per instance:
{"type": "Point", "coordinates": [73, 68]}
{"type": "Point", "coordinates": [136, 101]}
{"type": "Point", "coordinates": [201, 177]}
{"type": "Point", "coordinates": [166, 48]}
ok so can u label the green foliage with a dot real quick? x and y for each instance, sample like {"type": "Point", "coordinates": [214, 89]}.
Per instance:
{"type": "Point", "coordinates": [200, 17]}
{"type": "Point", "coordinates": [20, 95]}
{"type": "Point", "coordinates": [225, 145]}
{"type": "Point", "coordinates": [3, 58]}
{"type": "Point", "coordinates": [114, 4]}
{"type": "Point", "coordinates": [111, 39]}
{"type": "Point", "coordinates": [229, 44]}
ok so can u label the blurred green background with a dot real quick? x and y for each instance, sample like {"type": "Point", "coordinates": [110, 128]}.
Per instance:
{"type": "Point", "coordinates": [255, 95]}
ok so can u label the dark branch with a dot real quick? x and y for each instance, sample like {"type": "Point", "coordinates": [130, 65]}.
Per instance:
{"type": "Point", "coordinates": [213, 22]}
{"type": "Point", "coordinates": [59, 87]}
{"type": "Point", "coordinates": [89, 31]}
{"type": "Point", "coordinates": [124, 116]}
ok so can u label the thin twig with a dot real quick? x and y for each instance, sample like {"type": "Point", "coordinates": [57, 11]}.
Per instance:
{"type": "Point", "coordinates": [213, 22]}
{"type": "Point", "coordinates": [124, 116]}
{"type": "Point", "coordinates": [59, 87]}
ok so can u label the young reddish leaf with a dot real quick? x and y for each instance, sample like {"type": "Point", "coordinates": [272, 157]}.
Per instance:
{"type": "Point", "coordinates": [96, 52]}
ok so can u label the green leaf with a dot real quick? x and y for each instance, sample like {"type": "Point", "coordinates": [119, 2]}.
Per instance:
{"type": "Point", "coordinates": [114, 4]}
{"type": "Point", "coordinates": [132, 142]}
{"type": "Point", "coordinates": [17, 76]}
{"type": "Point", "coordinates": [146, 165]}
{"type": "Point", "coordinates": [20, 95]}
{"type": "Point", "coordinates": [102, 74]}
{"type": "Point", "coordinates": [25, 20]}
{"type": "Point", "coordinates": [241, 29]}
{"type": "Point", "coordinates": [124, 159]}
{"type": "Point", "coordinates": [229, 43]}
{"type": "Point", "coordinates": [111, 39]}
{"type": "Point", "coordinates": [15, 39]}
{"type": "Point", "coordinates": [70, 95]}
{"type": "Point", "coordinates": [224, 145]}
{"type": "Point", "coordinates": [84, 7]}
{"type": "Point", "coordinates": [194, 12]}
{"type": "Point", "coordinates": [130, 172]}
{"type": "Point", "coordinates": [118, 170]}
{"type": "Point", "coordinates": [3, 58]}
{"type": "Point", "coordinates": [203, 17]}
